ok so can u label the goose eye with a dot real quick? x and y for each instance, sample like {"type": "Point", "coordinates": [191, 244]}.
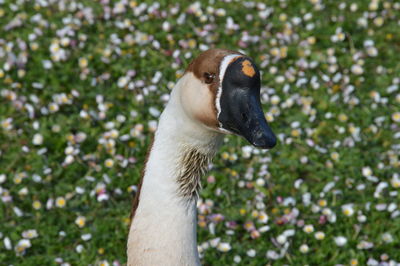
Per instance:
{"type": "Point", "coordinates": [208, 78]}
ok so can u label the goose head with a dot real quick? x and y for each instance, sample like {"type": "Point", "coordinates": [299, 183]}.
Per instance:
{"type": "Point", "coordinates": [222, 92]}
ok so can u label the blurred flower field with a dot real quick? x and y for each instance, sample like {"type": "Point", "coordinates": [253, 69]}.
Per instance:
{"type": "Point", "coordinates": [82, 84]}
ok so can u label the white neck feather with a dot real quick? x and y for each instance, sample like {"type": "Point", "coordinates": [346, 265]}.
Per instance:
{"type": "Point", "coordinates": [163, 231]}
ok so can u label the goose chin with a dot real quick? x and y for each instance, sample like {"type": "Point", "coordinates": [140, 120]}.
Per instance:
{"type": "Point", "coordinates": [255, 130]}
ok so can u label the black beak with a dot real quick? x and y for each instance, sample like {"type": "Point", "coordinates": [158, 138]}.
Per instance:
{"type": "Point", "coordinates": [241, 111]}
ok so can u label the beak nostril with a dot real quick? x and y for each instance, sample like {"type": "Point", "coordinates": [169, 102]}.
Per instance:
{"type": "Point", "coordinates": [244, 116]}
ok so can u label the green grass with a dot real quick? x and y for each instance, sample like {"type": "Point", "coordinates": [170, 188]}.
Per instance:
{"type": "Point", "coordinates": [340, 131]}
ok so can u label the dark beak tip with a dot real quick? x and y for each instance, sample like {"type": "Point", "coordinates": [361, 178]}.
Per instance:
{"type": "Point", "coordinates": [265, 143]}
{"type": "Point", "coordinates": [272, 143]}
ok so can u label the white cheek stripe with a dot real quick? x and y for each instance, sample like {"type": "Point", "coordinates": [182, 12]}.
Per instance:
{"type": "Point", "coordinates": [222, 69]}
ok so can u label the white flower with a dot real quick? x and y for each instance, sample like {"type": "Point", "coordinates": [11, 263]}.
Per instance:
{"type": "Point", "coordinates": [102, 263]}
{"type": "Point", "coordinates": [220, 12]}
{"type": "Point", "coordinates": [374, 5]}
{"type": "Point", "coordinates": [60, 202]}
{"type": "Point", "coordinates": [79, 248]}
{"type": "Point", "coordinates": [49, 203]}
{"type": "Point", "coordinates": [365, 245]}
{"type": "Point", "coordinates": [119, 8]}
{"type": "Point", "coordinates": [362, 218]}
{"type": "Point", "coordinates": [280, 79]}
{"type": "Point", "coordinates": [123, 81]}
{"type": "Point", "coordinates": [84, 114]}
{"type": "Point", "coordinates": [69, 150]}
{"type": "Point", "coordinates": [224, 247]}
{"type": "Point", "coordinates": [308, 228]}
{"type": "Point", "coordinates": [246, 151]}
{"type": "Point", "coordinates": [251, 253]}
{"type": "Point", "coordinates": [7, 243]}
{"type": "Point", "coordinates": [83, 62]}
{"type": "Point", "coordinates": [339, 36]}
{"type": "Point", "coordinates": [37, 139]}
{"type": "Point", "coordinates": [315, 208]}
{"type": "Point", "coordinates": [387, 238]}
{"type": "Point", "coordinates": [335, 156]}
{"type": "Point", "coordinates": [369, 43]}
{"type": "Point", "coordinates": [395, 181]}
{"type": "Point", "coordinates": [102, 197]}
{"type": "Point", "coordinates": [32, 233]}
{"type": "Point", "coordinates": [166, 26]}
{"type": "Point", "coordinates": [53, 107]}
{"type": "Point", "coordinates": [319, 235]}
{"type": "Point", "coordinates": [113, 133]}
{"type": "Point", "coordinates": [304, 248]}
{"type": "Point", "coordinates": [69, 159]}
{"type": "Point", "coordinates": [264, 228]}
{"type": "Point", "coordinates": [152, 125]}
{"type": "Point", "coordinates": [214, 242]}
{"type": "Point", "coordinates": [363, 22]}
{"type": "Point", "coordinates": [396, 117]}
{"type": "Point", "coordinates": [18, 211]}
{"type": "Point", "coordinates": [281, 239]}
{"type": "Point", "coordinates": [65, 41]}
{"type": "Point", "coordinates": [366, 171]}
{"type": "Point", "coordinates": [353, 7]}
{"type": "Point", "coordinates": [273, 255]}
{"type": "Point", "coordinates": [372, 51]}
{"type": "Point", "coordinates": [79, 190]}
{"type": "Point", "coordinates": [80, 221]}
{"type": "Point", "coordinates": [22, 245]}
{"type": "Point", "coordinates": [340, 241]}
{"type": "Point", "coordinates": [86, 237]}
{"type": "Point", "coordinates": [2, 178]}
{"type": "Point", "coordinates": [347, 209]}
{"type": "Point", "coordinates": [289, 232]}
{"type": "Point", "coordinates": [275, 99]}
{"type": "Point", "coordinates": [372, 262]}
{"type": "Point", "coordinates": [7, 124]}
{"type": "Point", "coordinates": [47, 64]}
{"type": "Point", "coordinates": [154, 112]}
{"type": "Point", "coordinates": [260, 182]}
{"type": "Point", "coordinates": [109, 163]}
{"type": "Point", "coordinates": [54, 48]}
{"type": "Point", "coordinates": [357, 69]}
{"type": "Point", "coordinates": [156, 78]}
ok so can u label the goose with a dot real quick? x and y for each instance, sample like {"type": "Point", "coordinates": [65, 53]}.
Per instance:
{"type": "Point", "coordinates": [218, 94]}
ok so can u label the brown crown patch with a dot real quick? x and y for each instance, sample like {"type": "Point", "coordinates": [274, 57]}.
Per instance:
{"type": "Point", "coordinates": [248, 69]}
{"type": "Point", "coordinates": [208, 62]}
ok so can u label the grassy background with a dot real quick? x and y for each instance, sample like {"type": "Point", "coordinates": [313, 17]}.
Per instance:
{"type": "Point", "coordinates": [80, 74]}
